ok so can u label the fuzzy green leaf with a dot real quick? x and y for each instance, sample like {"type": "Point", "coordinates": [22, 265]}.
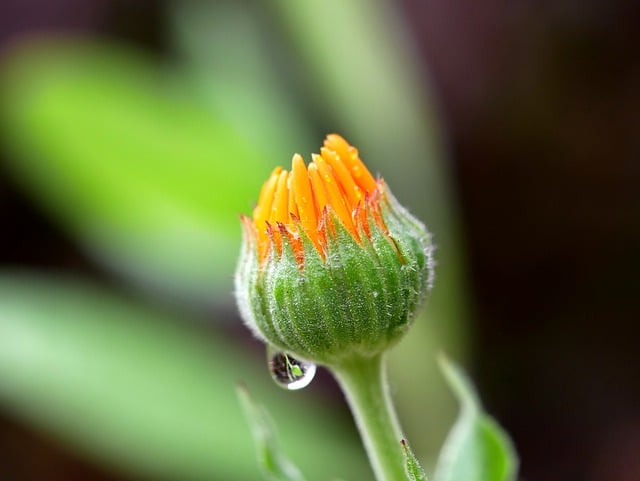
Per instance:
{"type": "Point", "coordinates": [275, 466]}
{"type": "Point", "coordinates": [477, 448]}
{"type": "Point", "coordinates": [412, 466]}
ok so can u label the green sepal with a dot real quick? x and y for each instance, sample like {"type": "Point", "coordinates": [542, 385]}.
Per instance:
{"type": "Point", "coordinates": [414, 242]}
{"type": "Point", "coordinates": [355, 299]}
{"type": "Point", "coordinates": [477, 448]}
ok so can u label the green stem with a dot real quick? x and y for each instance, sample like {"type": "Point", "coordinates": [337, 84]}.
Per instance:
{"type": "Point", "coordinates": [364, 384]}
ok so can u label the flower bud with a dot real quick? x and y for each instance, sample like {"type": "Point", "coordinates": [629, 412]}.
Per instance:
{"type": "Point", "coordinates": [331, 267]}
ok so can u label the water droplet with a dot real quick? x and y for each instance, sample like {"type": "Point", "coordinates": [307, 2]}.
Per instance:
{"type": "Point", "coordinates": [288, 372]}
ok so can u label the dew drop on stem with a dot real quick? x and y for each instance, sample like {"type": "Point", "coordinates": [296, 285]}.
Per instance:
{"type": "Point", "coordinates": [288, 372]}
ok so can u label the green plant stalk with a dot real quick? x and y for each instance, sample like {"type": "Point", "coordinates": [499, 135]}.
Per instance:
{"type": "Point", "coordinates": [364, 383]}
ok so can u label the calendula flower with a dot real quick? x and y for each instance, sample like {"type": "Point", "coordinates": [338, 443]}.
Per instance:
{"type": "Point", "coordinates": [332, 267]}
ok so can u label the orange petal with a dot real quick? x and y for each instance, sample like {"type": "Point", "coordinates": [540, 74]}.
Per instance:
{"type": "Point", "coordinates": [353, 192]}
{"type": "Point", "coordinates": [336, 199]}
{"type": "Point", "coordinates": [349, 155]}
{"type": "Point", "coordinates": [263, 207]}
{"type": "Point", "coordinates": [301, 187]}
{"type": "Point", "coordinates": [293, 207]}
{"type": "Point", "coordinates": [319, 192]}
{"type": "Point", "coordinates": [263, 210]}
{"type": "Point", "coordinates": [280, 207]}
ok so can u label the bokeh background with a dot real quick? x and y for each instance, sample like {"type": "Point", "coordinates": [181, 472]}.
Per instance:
{"type": "Point", "coordinates": [133, 133]}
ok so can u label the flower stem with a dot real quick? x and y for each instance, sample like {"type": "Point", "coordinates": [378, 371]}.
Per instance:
{"type": "Point", "coordinates": [364, 384]}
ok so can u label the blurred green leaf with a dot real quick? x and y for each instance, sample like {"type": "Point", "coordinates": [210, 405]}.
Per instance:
{"type": "Point", "coordinates": [135, 389]}
{"type": "Point", "coordinates": [411, 464]}
{"type": "Point", "coordinates": [131, 162]}
{"type": "Point", "coordinates": [274, 464]}
{"type": "Point", "coordinates": [369, 82]}
{"type": "Point", "coordinates": [477, 448]}
{"type": "Point", "coordinates": [236, 62]}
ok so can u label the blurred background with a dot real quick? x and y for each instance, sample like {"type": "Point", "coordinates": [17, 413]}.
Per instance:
{"type": "Point", "coordinates": [132, 134]}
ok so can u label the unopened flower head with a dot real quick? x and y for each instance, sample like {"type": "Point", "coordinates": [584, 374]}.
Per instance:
{"type": "Point", "coordinates": [332, 267]}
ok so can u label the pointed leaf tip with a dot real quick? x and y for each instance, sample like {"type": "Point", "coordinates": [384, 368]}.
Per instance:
{"type": "Point", "coordinates": [275, 466]}
{"type": "Point", "coordinates": [411, 465]}
{"type": "Point", "coordinates": [477, 448]}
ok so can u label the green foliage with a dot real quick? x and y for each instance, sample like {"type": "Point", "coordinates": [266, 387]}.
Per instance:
{"type": "Point", "coordinates": [275, 466]}
{"type": "Point", "coordinates": [411, 464]}
{"type": "Point", "coordinates": [135, 389]}
{"type": "Point", "coordinates": [229, 54]}
{"type": "Point", "coordinates": [130, 162]}
{"type": "Point", "coordinates": [477, 449]}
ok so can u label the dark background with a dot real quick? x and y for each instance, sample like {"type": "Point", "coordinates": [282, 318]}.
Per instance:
{"type": "Point", "coordinates": [541, 105]}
